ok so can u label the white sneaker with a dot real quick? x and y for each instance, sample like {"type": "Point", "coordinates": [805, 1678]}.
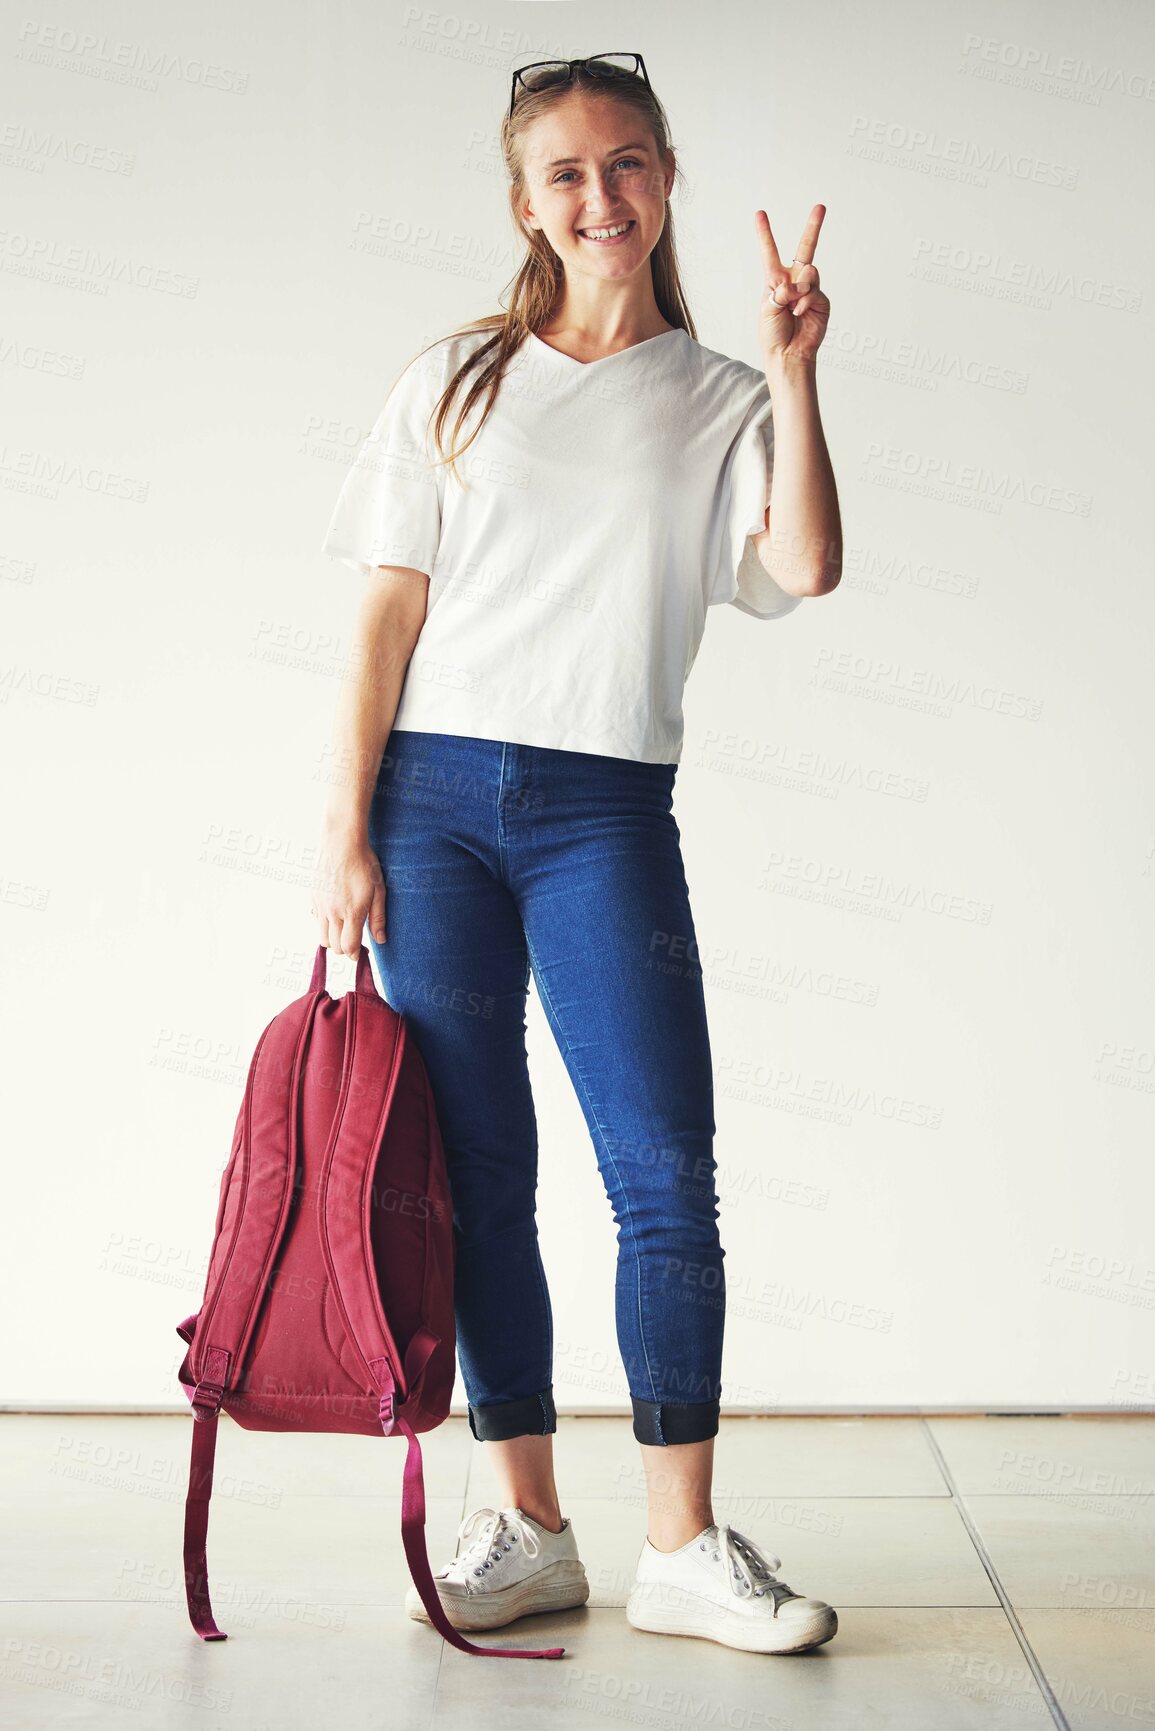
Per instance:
{"type": "Point", "coordinates": [513, 1567]}
{"type": "Point", "coordinates": [720, 1586]}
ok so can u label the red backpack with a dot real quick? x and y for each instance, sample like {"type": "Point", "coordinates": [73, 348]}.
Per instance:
{"type": "Point", "coordinates": [328, 1304]}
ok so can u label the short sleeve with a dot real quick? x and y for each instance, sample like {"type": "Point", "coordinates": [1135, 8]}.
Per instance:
{"type": "Point", "coordinates": [740, 577]}
{"type": "Point", "coordinates": [388, 511]}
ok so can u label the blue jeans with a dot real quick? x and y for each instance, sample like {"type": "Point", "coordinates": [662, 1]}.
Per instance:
{"type": "Point", "coordinates": [500, 859]}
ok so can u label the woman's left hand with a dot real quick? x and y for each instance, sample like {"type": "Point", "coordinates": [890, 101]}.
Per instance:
{"type": "Point", "coordinates": [794, 312]}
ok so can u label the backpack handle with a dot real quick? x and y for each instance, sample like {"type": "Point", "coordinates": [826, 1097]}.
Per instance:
{"type": "Point", "coordinates": [363, 983]}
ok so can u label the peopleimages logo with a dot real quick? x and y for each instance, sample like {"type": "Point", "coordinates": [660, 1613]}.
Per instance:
{"type": "Point", "coordinates": [113, 60]}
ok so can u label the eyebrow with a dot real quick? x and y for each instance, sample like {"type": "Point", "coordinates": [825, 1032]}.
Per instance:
{"type": "Point", "coordinates": [563, 161]}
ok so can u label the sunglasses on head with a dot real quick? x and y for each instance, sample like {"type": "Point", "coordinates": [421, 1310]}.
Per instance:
{"type": "Point", "coordinates": [543, 73]}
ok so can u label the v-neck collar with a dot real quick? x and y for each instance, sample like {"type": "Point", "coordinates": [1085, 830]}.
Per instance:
{"type": "Point", "coordinates": [570, 361]}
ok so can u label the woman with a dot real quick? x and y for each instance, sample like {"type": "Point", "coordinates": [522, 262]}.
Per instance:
{"type": "Point", "coordinates": [514, 733]}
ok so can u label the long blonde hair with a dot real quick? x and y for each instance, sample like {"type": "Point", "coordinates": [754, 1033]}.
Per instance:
{"type": "Point", "coordinates": [541, 275]}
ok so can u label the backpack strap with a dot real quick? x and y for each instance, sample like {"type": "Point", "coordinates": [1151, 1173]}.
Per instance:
{"type": "Point", "coordinates": [243, 1255]}
{"type": "Point", "coordinates": [375, 1047]}
{"type": "Point", "coordinates": [196, 1528]}
{"type": "Point", "coordinates": [416, 1550]}
{"type": "Point", "coordinates": [206, 1399]}
{"type": "Point", "coordinates": [247, 1246]}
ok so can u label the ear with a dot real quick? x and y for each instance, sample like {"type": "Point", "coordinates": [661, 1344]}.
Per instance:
{"type": "Point", "coordinates": [671, 171]}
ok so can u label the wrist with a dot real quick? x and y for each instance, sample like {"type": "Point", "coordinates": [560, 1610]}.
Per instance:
{"type": "Point", "coordinates": [345, 827]}
{"type": "Point", "coordinates": [784, 374]}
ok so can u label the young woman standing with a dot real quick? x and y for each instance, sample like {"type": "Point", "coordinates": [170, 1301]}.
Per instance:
{"type": "Point", "coordinates": [536, 604]}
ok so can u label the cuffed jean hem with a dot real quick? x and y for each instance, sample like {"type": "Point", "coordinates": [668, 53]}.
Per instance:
{"type": "Point", "coordinates": [664, 1422]}
{"type": "Point", "coordinates": [536, 1415]}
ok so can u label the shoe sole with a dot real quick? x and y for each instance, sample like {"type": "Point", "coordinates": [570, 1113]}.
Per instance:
{"type": "Point", "coordinates": [560, 1587]}
{"type": "Point", "coordinates": [687, 1614]}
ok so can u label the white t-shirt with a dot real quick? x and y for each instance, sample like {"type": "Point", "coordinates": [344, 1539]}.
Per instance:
{"type": "Point", "coordinates": [608, 505]}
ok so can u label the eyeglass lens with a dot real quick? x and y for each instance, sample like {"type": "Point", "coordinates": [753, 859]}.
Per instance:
{"type": "Point", "coordinates": [602, 66]}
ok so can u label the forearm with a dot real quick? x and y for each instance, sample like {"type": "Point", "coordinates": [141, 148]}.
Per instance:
{"type": "Point", "coordinates": [802, 550]}
{"type": "Point", "coordinates": [388, 626]}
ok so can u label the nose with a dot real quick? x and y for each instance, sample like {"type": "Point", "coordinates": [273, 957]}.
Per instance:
{"type": "Point", "coordinates": [600, 200]}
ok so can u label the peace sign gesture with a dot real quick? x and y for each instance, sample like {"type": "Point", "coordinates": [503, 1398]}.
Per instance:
{"type": "Point", "coordinates": [794, 311]}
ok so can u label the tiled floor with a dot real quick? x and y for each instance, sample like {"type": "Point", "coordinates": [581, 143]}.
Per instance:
{"type": "Point", "coordinates": [988, 1572]}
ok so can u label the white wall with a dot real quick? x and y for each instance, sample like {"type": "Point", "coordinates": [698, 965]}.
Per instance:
{"type": "Point", "coordinates": [917, 815]}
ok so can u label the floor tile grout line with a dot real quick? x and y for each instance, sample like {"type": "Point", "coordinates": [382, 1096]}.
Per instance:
{"type": "Point", "coordinates": [178, 1604]}
{"type": "Point", "coordinates": [987, 1562]}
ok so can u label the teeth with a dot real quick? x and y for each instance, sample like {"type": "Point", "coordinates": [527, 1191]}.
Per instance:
{"type": "Point", "coordinates": [604, 233]}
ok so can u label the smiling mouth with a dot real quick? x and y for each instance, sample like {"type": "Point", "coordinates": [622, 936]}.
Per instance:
{"type": "Point", "coordinates": [606, 234]}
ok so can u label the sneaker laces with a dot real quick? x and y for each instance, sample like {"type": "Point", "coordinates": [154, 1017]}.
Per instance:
{"type": "Point", "coordinates": [501, 1529]}
{"type": "Point", "coordinates": [751, 1570]}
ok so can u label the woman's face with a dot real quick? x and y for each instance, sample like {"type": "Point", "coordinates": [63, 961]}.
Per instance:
{"type": "Point", "coordinates": [592, 164]}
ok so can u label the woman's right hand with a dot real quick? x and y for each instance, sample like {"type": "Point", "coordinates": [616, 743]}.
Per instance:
{"type": "Point", "coordinates": [349, 887]}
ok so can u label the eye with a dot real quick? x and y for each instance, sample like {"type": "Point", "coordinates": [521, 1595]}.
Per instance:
{"type": "Point", "coordinates": [631, 160]}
